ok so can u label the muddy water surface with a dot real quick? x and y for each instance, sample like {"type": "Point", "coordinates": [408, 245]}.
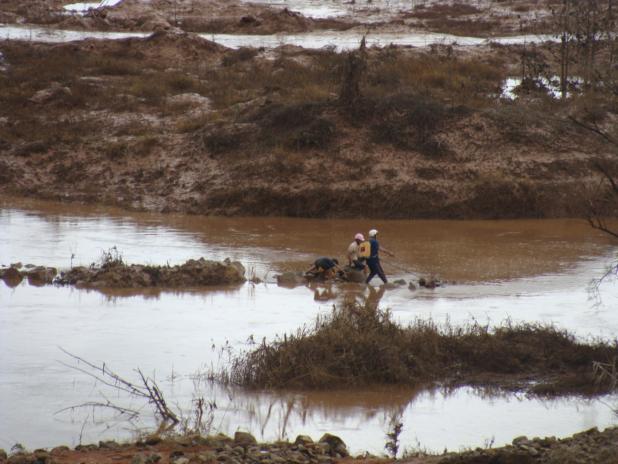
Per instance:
{"type": "Point", "coordinates": [522, 270]}
{"type": "Point", "coordinates": [347, 40]}
{"type": "Point", "coordinates": [340, 40]}
{"type": "Point", "coordinates": [374, 10]}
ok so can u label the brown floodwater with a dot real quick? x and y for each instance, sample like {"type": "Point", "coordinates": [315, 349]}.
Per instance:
{"type": "Point", "coordinates": [535, 271]}
{"type": "Point", "coordinates": [459, 251]}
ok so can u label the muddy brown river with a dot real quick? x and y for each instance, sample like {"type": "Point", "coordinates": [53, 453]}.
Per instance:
{"type": "Point", "coordinates": [497, 271]}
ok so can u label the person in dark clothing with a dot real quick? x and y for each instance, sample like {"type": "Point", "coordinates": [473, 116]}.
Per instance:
{"type": "Point", "coordinates": [324, 267]}
{"type": "Point", "coordinates": [375, 268]}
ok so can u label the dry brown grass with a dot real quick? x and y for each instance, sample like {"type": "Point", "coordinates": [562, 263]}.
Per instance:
{"type": "Point", "coordinates": [468, 81]}
{"type": "Point", "coordinates": [463, 27]}
{"type": "Point", "coordinates": [361, 345]}
{"type": "Point", "coordinates": [440, 10]}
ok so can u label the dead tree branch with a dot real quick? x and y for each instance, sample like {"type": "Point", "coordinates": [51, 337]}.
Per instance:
{"type": "Point", "coordinates": [148, 390]}
{"type": "Point", "coordinates": [594, 128]}
{"type": "Point", "coordinates": [107, 405]}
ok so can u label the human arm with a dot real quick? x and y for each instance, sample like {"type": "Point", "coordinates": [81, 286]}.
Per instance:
{"type": "Point", "coordinates": [311, 270]}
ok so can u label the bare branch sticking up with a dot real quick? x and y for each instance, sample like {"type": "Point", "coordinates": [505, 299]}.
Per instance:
{"type": "Point", "coordinates": [148, 390]}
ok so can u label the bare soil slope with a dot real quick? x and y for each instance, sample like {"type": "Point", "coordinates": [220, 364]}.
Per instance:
{"type": "Point", "coordinates": [174, 122]}
{"type": "Point", "coordinates": [479, 17]}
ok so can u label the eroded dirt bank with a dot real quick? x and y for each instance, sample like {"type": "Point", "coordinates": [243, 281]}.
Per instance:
{"type": "Point", "coordinates": [478, 18]}
{"type": "Point", "coordinates": [589, 447]}
{"type": "Point", "coordinates": [174, 122]}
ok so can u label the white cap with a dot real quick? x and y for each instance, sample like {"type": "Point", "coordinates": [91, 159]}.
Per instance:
{"type": "Point", "coordinates": [373, 232]}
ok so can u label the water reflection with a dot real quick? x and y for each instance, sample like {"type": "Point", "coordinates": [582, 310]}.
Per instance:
{"type": "Point", "coordinates": [362, 417]}
{"type": "Point", "coordinates": [350, 39]}
{"type": "Point", "coordinates": [460, 251]}
{"type": "Point", "coordinates": [521, 270]}
{"type": "Point", "coordinates": [47, 35]}
{"type": "Point", "coordinates": [340, 40]}
{"type": "Point", "coordinates": [436, 419]}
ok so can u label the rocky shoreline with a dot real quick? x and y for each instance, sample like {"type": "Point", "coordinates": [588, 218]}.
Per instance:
{"type": "Point", "coordinates": [588, 447]}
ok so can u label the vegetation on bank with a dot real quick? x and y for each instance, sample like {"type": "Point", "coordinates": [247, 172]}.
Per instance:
{"type": "Point", "coordinates": [174, 122]}
{"type": "Point", "coordinates": [360, 345]}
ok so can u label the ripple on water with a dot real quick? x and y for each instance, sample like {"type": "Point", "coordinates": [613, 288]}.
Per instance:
{"type": "Point", "coordinates": [170, 334]}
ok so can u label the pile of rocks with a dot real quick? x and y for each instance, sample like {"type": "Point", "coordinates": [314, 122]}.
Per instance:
{"type": "Point", "coordinates": [243, 448]}
{"type": "Point", "coordinates": [589, 447]}
{"type": "Point", "coordinates": [36, 275]}
{"type": "Point", "coordinates": [192, 449]}
{"type": "Point", "coordinates": [193, 273]}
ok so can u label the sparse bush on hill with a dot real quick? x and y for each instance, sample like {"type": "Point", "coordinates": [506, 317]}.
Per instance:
{"type": "Point", "coordinates": [443, 75]}
{"type": "Point", "coordinates": [238, 56]}
{"type": "Point", "coordinates": [410, 122]}
{"type": "Point", "coordinates": [295, 126]}
{"type": "Point", "coordinates": [221, 140]}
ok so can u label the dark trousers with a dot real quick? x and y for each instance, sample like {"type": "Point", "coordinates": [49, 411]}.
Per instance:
{"type": "Point", "coordinates": [375, 268]}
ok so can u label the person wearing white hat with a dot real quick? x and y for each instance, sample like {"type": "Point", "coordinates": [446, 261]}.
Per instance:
{"type": "Point", "coordinates": [375, 268]}
{"type": "Point", "coordinates": [354, 259]}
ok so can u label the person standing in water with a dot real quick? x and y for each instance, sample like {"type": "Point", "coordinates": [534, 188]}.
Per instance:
{"type": "Point", "coordinates": [375, 268]}
{"type": "Point", "coordinates": [354, 259]}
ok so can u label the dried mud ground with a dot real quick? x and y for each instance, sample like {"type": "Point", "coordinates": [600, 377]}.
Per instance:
{"type": "Point", "coordinates": [174, 122]}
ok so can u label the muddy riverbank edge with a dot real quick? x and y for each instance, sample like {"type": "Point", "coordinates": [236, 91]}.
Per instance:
{"type": "Point", "coordinates": [242, 17]}
{"type": "Point", "coordinates": [428, 137]}
{"type": "Point", "coordinates": [588, 447]}
{"type": "Point", "coordinates": [114, 273]}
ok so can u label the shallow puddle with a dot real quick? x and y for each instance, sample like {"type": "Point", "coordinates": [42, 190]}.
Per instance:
{"type": "Point", "coordinates": [50, 35]}
{"type": "Point", "coordinates": [83, 7]}
{"type": "Point", "coordinates": [340, 40]}
{"type": "Point", "coordinates": [521, 270]}
{"type": "Point", "coordinates": [374, 10]}
{"type": "Point", "coordinates": [347, 40]}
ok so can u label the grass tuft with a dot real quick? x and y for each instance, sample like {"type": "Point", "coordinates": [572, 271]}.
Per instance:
{"type": "Point", "coordinates": [359, 345]}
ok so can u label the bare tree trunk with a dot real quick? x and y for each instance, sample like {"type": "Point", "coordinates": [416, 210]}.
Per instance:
{"type": "Point", "coordinates": [354, 68]}
{"type": "Point", "coordinates": [564, 47]}
{"type": "Point", "coordinates": [610, 37]}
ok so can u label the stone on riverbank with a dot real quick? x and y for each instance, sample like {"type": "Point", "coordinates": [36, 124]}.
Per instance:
{"type": "Point", "coordinates": [41, 275]}
{"type": "Point", "coordinates": [294, 279]}
{"type": "Point", "coordinates": [588, 447]}
{"type": "Point", "coordinates": [11, 276]}
{"type": "Point", "coordinates": [36, 275]}
{"type": "Point", "coordinates": [336, 446]}
{"type": "Point", "coordinates": [244, 439]}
